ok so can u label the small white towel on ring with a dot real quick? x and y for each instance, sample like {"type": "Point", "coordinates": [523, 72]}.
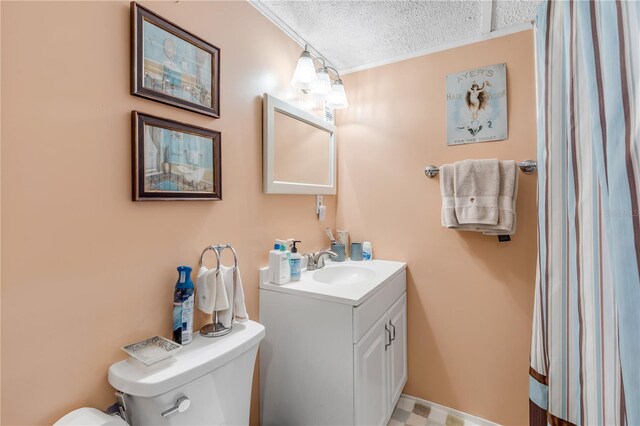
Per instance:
{"type": "Point", "coordinates": [233, 284]}
{"type": "Point", "coordinates": [211, 291]}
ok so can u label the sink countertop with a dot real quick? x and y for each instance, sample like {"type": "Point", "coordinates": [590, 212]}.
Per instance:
{"type": "Point", "coordinates": [351, 294]}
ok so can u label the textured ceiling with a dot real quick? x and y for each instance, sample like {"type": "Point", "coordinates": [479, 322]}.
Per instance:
{"type": "Point", "coordinates": [357, 33]}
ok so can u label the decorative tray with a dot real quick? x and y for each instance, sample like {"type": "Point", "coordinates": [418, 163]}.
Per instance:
{"type": "Point", "coordinates": [152, 350]}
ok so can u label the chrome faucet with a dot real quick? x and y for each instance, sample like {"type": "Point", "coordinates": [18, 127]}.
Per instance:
{"type": "Point", "coordinates": [316, 260]}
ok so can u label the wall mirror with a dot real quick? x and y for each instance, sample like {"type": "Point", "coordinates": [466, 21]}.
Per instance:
{"type": "Point", "coordinates": [299, 150]}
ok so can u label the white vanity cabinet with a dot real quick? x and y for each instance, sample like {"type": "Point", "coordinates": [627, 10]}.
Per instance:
{"type": "Point", "coordinates": [380, 363]}
{"type": "Point", "coordinates": [333, 360]}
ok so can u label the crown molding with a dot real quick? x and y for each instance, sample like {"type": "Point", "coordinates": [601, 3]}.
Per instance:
{"type": "Point", "coordinates": [264, 10]}
{"type": "Point", "coordinates": [277, 21]}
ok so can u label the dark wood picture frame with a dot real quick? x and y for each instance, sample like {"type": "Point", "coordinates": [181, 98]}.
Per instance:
{"type": "Point", "coordinates": [139, 175]}
{"type": "Point", "coordinates": [139, 14]}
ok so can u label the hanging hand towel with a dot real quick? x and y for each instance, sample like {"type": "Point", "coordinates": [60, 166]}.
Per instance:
{"type": "Point", "coordinates": [212, 294]}
{"type": "Point", "coordinates": [447, 192]}
{"type": "Point", "coordinates": [238, 299]}
{"type": "Point", "coordinates": [233, 284]}
{"type": "Point", "coordinates": [476, 186]}
{"type": "Point", "coordinates": [204, 294]}
{"type": "Point", "coordinates": [506, 200]}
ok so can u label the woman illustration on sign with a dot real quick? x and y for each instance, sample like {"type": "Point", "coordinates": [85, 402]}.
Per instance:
{"type": "Point", "coordinates": [477, 98]}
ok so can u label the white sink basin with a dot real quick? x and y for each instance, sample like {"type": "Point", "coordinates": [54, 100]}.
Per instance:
{"type": "Point", "coordinates": [343, 274]}
{"type": "Point", "coordinates": [349, 282]}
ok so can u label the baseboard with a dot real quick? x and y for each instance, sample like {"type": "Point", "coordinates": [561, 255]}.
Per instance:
{"type": "Point", "coordinates": [469, 419]}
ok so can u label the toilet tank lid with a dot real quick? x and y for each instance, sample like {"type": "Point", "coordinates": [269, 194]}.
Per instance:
{"type": "Point", "coordinates": [196, 359]}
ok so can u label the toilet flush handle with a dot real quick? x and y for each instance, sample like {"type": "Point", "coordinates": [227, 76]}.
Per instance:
{"type": "Point", "coordinates": [182, 405]}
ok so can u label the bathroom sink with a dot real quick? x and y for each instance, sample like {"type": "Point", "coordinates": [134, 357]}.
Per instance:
{"type": "Point", "coordinates": [343, 274]}
{"type": "Point", "coordinates": [349, 282]}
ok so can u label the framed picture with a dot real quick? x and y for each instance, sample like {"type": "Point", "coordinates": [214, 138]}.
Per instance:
{"type": "Point", "coordinates": [477, 105]}
{"type": "Point", "coordinates": [174, 161]}
{"type": "Point", "coordinates": [173, 66]}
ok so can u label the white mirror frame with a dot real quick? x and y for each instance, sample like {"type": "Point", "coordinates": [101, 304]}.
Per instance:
{"type": "Point", "coordinates": [272, 186]}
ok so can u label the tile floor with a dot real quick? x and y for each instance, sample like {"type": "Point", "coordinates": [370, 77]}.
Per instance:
{"type": "Point", "coordinates": [410, 412]}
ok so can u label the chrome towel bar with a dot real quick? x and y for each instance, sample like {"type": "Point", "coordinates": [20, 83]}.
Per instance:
{"type": "Point", "coordinates": [527, 166]}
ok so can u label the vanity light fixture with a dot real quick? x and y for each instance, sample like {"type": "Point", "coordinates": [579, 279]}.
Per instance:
{"type": "Point", "coordinates": [337, 99]}
{"type": "Point", "coordinates": [318, 82]}
{"type": "Point", "coordinates": [305, 74]}
{"type": "Point", "coordinates": [322, 87]}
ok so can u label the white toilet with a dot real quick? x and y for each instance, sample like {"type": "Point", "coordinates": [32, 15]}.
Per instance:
{"type": "Point", "coordinates": [208, 384]}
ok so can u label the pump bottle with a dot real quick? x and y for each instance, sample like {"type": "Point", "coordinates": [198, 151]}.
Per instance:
{"type": "Point", "coordinates": [296, 260]}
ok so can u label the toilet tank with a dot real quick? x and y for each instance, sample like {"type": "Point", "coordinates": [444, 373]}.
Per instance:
{"type": "Point", "coordinates": [215, 374]}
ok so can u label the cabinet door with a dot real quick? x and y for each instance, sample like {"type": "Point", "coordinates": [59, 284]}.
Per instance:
{"type": "Point", "coordinates": [370, 376]}
{"type": "Point", "coordinates": [397, 352]}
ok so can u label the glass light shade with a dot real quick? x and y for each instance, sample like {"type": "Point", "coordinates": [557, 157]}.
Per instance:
{"type": "Point", "coordinates": [337, 99]}
{"type": "Point", "coordinates": [305, 74]}
{"type": "Point", "coordinates": [322, 87]}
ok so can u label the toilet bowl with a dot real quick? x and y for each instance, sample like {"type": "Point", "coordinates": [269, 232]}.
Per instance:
{"type": "Point", "coordinates": [209, 383]}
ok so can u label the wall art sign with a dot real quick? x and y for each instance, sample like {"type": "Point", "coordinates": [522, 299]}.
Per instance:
{"type": "Point", "coordinates": [174, 161]}
{"type": "Point", "coordinates": [173, 66]}
{"type": "Point", "coordinates": [477, 105]}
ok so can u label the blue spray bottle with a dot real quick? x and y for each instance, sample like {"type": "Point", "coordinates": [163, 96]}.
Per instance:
{"type": "Point", "coordinates": [183, 301]}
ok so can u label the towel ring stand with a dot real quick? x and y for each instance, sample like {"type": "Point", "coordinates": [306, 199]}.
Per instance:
{"type": "Point", "coordinates": [216, 328]}
{"type": "Point", "coordinates": [217, 256]}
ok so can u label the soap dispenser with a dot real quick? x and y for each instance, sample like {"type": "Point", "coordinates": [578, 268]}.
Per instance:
{"type": "Point", "coordinates": [296, 260]}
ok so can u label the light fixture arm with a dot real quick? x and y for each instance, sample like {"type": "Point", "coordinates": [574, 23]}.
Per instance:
{"type": "Point", "coordinates": [335, 71]}
{"type": "Point", "coordinates": [322, 61]}
{"type": "Point", "coordinates": [316, 57]}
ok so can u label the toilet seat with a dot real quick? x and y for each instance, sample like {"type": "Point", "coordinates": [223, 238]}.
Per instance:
{"type": "Point", "coordinates": [89, 417]}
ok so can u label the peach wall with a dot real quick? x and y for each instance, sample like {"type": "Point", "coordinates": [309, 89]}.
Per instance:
{"type": "Point", "coordinates": [84, 269]}
{"type": "Point", "coordinates": [470, 298]}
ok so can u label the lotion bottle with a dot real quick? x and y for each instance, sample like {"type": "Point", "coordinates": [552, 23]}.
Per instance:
{"type": "Point", "coordinates": [296, 260]}
{"type": "Point", "coordinates": [284, 247]}
{"type": "Point", "coordinates": [274, 258]}
{"type": "Point", "coordinates": [279, 268]}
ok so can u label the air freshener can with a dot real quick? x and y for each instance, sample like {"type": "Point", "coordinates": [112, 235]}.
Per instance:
{"type": "Point", "coordinates": [183, 303]}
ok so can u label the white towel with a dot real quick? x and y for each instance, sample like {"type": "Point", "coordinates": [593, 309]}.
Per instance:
{"type": "Point", "coordinates": [233, 283]}
{"type": "Point", "coordinates": [509, 231]}
{"type": "Point", "coordinates": [211, 291]}
{"type": "Point", "coordinates": [506, 201]}
{"type": "Point", "coordinates": [203, 293]}
{"type": "Point", "coordinates": [447, 191]}
{"type": "Point", "coordinates": [476, 185]}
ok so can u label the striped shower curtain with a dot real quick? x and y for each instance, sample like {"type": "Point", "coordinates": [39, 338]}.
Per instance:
{"type": "Point", "coordinates": [585, 352]}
